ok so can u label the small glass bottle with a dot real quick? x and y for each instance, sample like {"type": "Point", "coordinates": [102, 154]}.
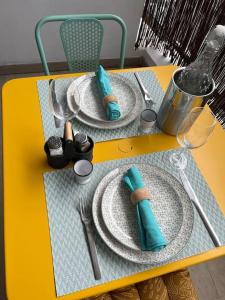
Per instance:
{"type": "Point", "coordinates": [82, 143]}
{"type": "Point", "coordinates": [196, 79]}
{"type": "Point", "coordinates": [54, 144]}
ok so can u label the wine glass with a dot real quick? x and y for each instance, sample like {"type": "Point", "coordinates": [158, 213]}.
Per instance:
{"type": "Point", "coordinates": [58, 101]}
{"type": "Point", "coordinates": [193, 133]}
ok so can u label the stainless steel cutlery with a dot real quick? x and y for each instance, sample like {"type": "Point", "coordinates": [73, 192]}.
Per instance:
{"type": "Point", "coordinates": [188, 188]}
{"type": "Point", "coordinates": [146, 94]}
{"type": "Point", "coordinates": [86, 218]}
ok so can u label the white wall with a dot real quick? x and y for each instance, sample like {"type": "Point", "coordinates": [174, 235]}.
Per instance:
{"type": "Point", "coordinates": [18, 19]}
{"type": "Point", "coordinates": [153, 56]}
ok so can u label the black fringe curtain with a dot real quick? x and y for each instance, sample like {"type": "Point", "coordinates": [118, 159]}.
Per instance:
{"type": "Point", "coordinates": [177, 28]}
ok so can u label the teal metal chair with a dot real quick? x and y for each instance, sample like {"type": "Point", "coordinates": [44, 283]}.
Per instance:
{"type": "Point", "coordinates": [81, 37]}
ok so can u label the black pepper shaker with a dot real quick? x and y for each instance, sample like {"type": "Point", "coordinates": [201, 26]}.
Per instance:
{"type": "Point", "coordinates": [82, 143]}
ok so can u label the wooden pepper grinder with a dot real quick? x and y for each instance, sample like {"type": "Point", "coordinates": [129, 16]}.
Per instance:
{"type": "Point", "coordinates": [68, 131]}
{"type": "Point", "coordinates": [68, 137]}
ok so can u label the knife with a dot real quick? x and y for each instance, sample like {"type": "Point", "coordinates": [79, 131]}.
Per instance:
{"type": "Point", "coordinates": [188, 188]}
{"type": "Point", "coordinates": [58, 122]}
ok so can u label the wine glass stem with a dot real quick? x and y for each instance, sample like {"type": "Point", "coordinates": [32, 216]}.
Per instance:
{"type": "Point", "coordinates": [182, 151]}
{"type": "Point", "coordinates": [58, 122]}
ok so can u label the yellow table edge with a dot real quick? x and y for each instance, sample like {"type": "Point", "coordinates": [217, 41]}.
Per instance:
{"type": "Point", "coordinates": [25, 90]}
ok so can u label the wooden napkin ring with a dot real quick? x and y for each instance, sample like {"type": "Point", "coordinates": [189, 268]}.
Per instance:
{"type": "Point", "coordinates": [109, 98]}
{"type": "Point", "coordinates": [139, 195]}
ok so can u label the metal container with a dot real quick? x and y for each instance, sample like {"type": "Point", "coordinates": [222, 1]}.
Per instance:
{"type": "Point", "coordinates": [177, 104]}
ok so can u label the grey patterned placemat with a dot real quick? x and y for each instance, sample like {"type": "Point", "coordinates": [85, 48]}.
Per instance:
{"type": "Point", "coordinates": [149, 80]}
{"type": "Point", "coordinates": [72, 265]}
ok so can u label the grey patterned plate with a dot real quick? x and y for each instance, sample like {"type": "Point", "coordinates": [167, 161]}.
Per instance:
{"type": "Point", "coordinates": [83, 93]}
{"type": "Point", "coordinates": [177, 239]}
{"type": "Point", "coordinates": [119, 214]}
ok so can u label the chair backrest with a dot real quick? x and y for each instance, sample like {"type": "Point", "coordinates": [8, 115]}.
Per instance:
{"type": "Point", "coordinates": [81, 44]}
{"type": "Point", "coordinates": [82, 41]}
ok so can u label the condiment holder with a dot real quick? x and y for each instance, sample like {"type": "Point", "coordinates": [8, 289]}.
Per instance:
{"type": "Point", "coordinates": [70, 150]}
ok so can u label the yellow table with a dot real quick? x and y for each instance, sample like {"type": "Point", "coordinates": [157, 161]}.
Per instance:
{"type": "Point", "coordinates": [28, 258]}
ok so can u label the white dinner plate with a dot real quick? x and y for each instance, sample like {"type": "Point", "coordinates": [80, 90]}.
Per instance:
{"type": "Point", "coordinates": [177, 235]}
{"type": "Point", "coordinates": [119, 214]}
{"type": "Point", "coordinates": [83, 95]}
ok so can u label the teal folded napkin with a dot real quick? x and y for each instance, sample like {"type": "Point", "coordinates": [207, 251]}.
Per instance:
{"type": "Point", "coordinates": [105, 89]}
{"type": "Point", "coordinates": [150, 235]}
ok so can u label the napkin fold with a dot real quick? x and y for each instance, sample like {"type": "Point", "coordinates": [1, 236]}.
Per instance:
{"type": "Point", "coordinates": [150, 235]}
{"type": "Point", "coordinates": [112, 107]}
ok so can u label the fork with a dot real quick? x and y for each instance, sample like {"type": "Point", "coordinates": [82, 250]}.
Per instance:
{"type": "Point", "coordinates": [146, 94]}
{"type": "Point", "coordinates": [86, 219]}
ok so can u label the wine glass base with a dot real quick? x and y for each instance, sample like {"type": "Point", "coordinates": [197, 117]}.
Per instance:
{"type": "Point", "coordinates": [178, 160]}
{"type": "Point", "coordinates": [58, 122]}
{"type": "Point", "coordinates": [124, 146]}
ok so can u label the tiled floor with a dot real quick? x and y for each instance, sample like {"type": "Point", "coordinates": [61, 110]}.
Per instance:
{"type": "Point", "coordinates": [208, 278]}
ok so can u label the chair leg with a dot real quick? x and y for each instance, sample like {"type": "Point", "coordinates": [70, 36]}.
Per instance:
{"type": "Point", "coordinates": [179, 286]}
{"type": "Point", "coordinates": [105, 296]}
{"type": "Point", "coordinates": [126, 293]}
{"type": "Point", "coordinates": [153, 289]}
